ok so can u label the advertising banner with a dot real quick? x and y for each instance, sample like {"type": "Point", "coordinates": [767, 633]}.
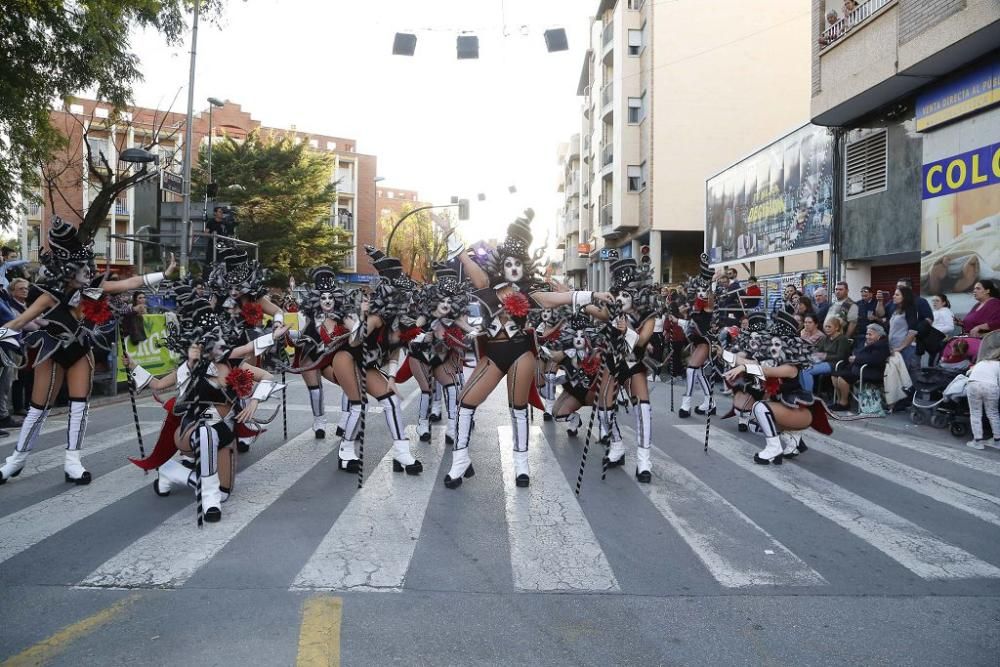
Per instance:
{"type": "Point", "coordinates": [960, 215]}
{"type": "Point", "coordinates": [777, 201]}
{"type": "Point", "coordinates": [959, 97]}
{"type": "Point", "coordinates": [148, 353]}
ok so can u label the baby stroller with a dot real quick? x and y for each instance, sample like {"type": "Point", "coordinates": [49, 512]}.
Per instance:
{"type": "Point", "coordinates": [937, 398]}
{"type": "Point", "coordinates": [959, 423]}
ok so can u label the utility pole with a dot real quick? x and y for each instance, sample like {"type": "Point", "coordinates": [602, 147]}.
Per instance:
{"type": "Point", "coordinates": [188, 139]}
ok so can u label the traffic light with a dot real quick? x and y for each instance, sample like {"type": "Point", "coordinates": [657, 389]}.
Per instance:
{"type": "Point", "coordinates": [463, 209]}
{"type": "Point", "coordinates": [645, 258]}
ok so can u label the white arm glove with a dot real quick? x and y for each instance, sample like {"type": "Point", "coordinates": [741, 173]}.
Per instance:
{"type": "Point", "coordinates": [262, 343]}
{"type": "Point", "coordinates": [265, 388]}
{"type": "Point", "coordinates": [141, 377]}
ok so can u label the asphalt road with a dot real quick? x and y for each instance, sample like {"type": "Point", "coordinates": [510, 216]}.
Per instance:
{"type": "Point", "coordinates": [880, 545]}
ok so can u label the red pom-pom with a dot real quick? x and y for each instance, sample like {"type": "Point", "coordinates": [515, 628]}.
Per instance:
{"type": "Point", "coordinates": [407, 335]}
{"type": "Point", "coordinates": [252, 313]}
{"type": "Point", "coordinates": [96, 310]}
{"type": "Point", "coordinates": [516, 304]}
{"type": "Point", "coordinates": [454, 337]}
{"type": "Point", "coordinates": [240, 381]}
{"type": "Point", "coordinates": [590, 365]}
{"type": "Point", "coordinates": [772, 386]}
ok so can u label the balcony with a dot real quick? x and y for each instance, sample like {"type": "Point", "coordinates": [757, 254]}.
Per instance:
{"type": "Point", "coordinates": [344, 220]}
{"type": "Point", "coordinates": [607, 160]}
{"type": "Point", "coordinates": [855, 18]}
{"type": "Point", "coordinates": [574, 147]}
{"type": "Point", "coordinates": [607, 41]}
{"type": "Point", "coordinates": [122, 251]}
{"type": "Point", "coordinates": [121, 206]}
{"type": "Point", "coordinates": [607, 98]}
{"type": "Point", "coordinates": [35, 211]}
{"type": "Point", "coordinates": [347, 262]}
{"type": "Point", "coordinates": [607, 218]}
{"type": "Point", "coordinates": [876, 54]}
{"type": "Point", "coordinates": [573, 188]}
{"type": "Point", "coordinates": [345, 186]}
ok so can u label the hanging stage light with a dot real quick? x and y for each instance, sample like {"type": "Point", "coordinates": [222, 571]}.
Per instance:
{"type": "Point", "coordinates": [468, 47]}
{"type": "Point", "coordinates": [555, 40]}
{"type": "Point", "coordinates": [404, 44]}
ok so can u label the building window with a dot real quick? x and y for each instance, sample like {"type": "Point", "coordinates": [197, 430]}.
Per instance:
{"type": "Point", "coordinates": [313, 143]}
{"type": "Point", "coordinates": [100, 112]}
{"type": "Point", "coordinates": [96, 147]}
{"type": "Point", "coordinates": [636, 4]}
{"type": "Point", "coordinates": [331, 145]}
{"type": "Point", "coordinates": [865, 163]}
{"type": "Point", "coordinates": [634, 42]}
{"type": "Point", "coordinates": [636, 109]}
{"type": "Point", "coordinates": [636, 177]}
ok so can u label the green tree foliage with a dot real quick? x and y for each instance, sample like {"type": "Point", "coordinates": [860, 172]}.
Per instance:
{"type": "Point", "coordinates": [53, 49]}
{"type": "Point", "coordinates": [283, 196]}
{"type": "Point", "coordinates": [418, 242]}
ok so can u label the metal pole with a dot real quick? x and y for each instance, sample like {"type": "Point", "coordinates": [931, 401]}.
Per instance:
{"type": "Point", "coordinates": [188, 139]}
{"type": "Point", "coordinates": [204, 212]}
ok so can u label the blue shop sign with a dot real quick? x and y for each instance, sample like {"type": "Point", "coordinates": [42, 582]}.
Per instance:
{"type": "Point", "coordinates": [356, 277]}
{"type": "Point", "coordinates": [959, 96]}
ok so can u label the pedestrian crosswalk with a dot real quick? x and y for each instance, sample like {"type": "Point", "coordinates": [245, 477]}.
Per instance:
{"type": "Point", "coordinates": [376, 538]}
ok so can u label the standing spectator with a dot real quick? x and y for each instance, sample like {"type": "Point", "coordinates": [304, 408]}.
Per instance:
{"type": "Point", "coordinates": [903, 326]}
{"type": "Point", "coordinates": [983, 391]}
{"type": "Point", "coordinates": [843, 308]}
{"type": "Point", "coordinates": [866, 309]}
{"type": "Point", "coordinates": [810, 332]}
{"type": "Point", "coordinates": [6, 379]}
{"type": "Point", "coordinates": [17, 299]}
{"type": "Point", "coordinates": [985, 315]}
{"type": "Point", "coordinates": [133, 325]}
{"type": "Point", "coordinates": [734, 283]}
{"type": "Point", "coordinates": [10, 261]}
{"type": "Point", "coordinates": [751, 295]}
{"type": "Point", "coordinates": [822, 300]}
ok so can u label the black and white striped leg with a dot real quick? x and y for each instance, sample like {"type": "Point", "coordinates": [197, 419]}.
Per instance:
{"type": "Point", "coordinates": [451, 405]}
{"type": "Point", "coordinates": [461, 464]}
{"type": "Point", "coordinates": [76, 429]}
{"type": "Point", "coordinates": [423, 417]}
{"type": "Point", "coordinates": [318, 410]}
{"type": "Point", "coordinates": [773, 451]}
{"type": "Point", "coordinates": [348, 455]}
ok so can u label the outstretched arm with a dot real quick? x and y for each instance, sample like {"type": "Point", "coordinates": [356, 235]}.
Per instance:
{"type": "Point", "coordinates": [138, 282]}
{"type": "Point", "coordinates": [576, 298]}
{"type": "Point", "coordinates": [43, 303]}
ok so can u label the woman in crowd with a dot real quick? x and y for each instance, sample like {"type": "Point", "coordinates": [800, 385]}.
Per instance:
{"type": "Point", "coordinates": [903, 327]}
{"type": "Point", "coordinates": [870, 359]}
{"type": "Point", "coordinates": [985, 315]}
{"type": "Point", "coordinates": [810, 331]}
{"type": "Point", "coordinates": [829, 351]}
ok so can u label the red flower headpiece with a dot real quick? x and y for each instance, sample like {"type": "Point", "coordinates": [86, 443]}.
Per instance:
{"type": "Point", "coordinates": [240, 381]}
{"type": "Point", "coordinates": [591, 364]}
{"type": "Point", "coordinates": [454, 337]}
{"type": "Point", "coordinates": [516, 304]}
{"type": "Point", "coordinates": [252, 313]}
{"type": "Point", "coordinates": [96, 310]}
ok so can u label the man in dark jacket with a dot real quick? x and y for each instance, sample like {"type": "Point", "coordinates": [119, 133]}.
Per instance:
{"type": "Point", "coordinates": [871, 358]}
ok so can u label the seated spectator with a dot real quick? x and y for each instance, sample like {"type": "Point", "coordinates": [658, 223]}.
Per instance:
{"type": "Point", "coordinates": [871, 358]}
{"type": "Point", "coordinates": [804, 307]}
{"type": "Point", "coordinates": [985, 315]}
{"type": "Point", "coordinates": [810, 332]}
{"type": "Point", "coordinates": [944, 319]}
{"type": "Point", "coordinates": [833, 348]}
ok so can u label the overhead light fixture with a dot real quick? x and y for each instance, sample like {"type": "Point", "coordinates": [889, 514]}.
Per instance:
{"type": "Point", "coordinates": [512, 189]}
{"type": "Point", "coordinates": [137, 156]}
{"type": "Point", "coordinates": [555, 40]}
{"type": "Point", "coordinates": [482, 197]}
{"type": "Point", "coordinates": [468, 47]}
{"type": "Point", "coordinates": [216, 102]}
{"type": "Point", "coordinates": [404, 44]}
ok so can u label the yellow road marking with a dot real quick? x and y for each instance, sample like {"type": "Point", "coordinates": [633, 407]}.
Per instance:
{"type": "Point", "coordinates": [46, 650]}
{"type": "Point", "coordinates": [319, 637]}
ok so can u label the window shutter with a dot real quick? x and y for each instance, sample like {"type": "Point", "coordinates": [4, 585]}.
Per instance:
{"type": "Point", "coordinates": [866, 164]}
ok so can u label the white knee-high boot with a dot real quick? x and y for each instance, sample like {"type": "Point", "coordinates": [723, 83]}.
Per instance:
{"type": "Point", "coordinates": [685, 410]}
{"type": "Point", "coordinates": [348, 456]}
{"type": "Point", "coordinates": [519, 422]}
{"type": "Point", "coordinates": [30, 429]}
{"type": "Point", "coordinates": [423, 417]}
{"type": "Point", "coordinates": [76, 428]}
{"type": "Point", "coordinates": [436, 403]}
{"type": "Point", "coordinates": [773, 451]}
{"type": "Point", "coordinates": [172, 475]}
{"type": "Point", "coordinates": [644, 433]}
{"type": "Point", "coordinates": [318, 410]}
{"type": "Point", "coordinates": [451, 405]}
{"type": "Point", "coordinates": [208, 494]}
{"type": "Point", "coordinates": [461, 463]}
{"type": "Point", "coordinates": [345, 413]}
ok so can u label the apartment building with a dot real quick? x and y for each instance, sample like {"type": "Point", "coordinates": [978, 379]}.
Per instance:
{"type": "Point", "coordinates": [913, 88]}
{"type": "Point", "coordinates": [673, 92]}
{"type": "Point", "coordinates": [354, 173]}
{"type": "Point", "coordinates": [571, 256]}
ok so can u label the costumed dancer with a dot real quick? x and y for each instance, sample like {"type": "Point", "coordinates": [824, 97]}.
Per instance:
{"type": "Point", "coordinates": [507, 289]}
{"type": "Point", "coordinates": [212, 376]}
{"type": "Point", "coordinates": [766, 364]}
{"type": "Point", "coordinates": [634, 322]}
{"type": "Point", "coordinates": [237, 280]}
{"type": "Point", "coordinates": [697, 329]}
{"type": "Point", "coordinates": [358, 366]}
{"type": "Point", "coordinates": [547, 332]}
{"type": "Point", "coordinates": [321, 333]}
{"type": "Point", "coordinates": [72, 298]}
{"type": "Point", "coordinates": [581, 364]}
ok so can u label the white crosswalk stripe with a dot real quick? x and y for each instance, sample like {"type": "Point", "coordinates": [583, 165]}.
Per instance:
{"type": "Point", "coordinates": [732, 547]}
{"type": "Point", "coordinates": [53, 457]}
{"type": "Point", "coordinates": [911, 546]}
{"type": "Point", "coordinates": [959, 496]}
{"type": "Point", "coordinates": [26, 528]}
{"type": "Point", "coordinates": [952, 451]}
{"type": "Point", "coordinates": [552, 544]}
{"type": "Point", "coordinates": [372, 542]}
{"type": "Point", "coordinates": [168, 556]}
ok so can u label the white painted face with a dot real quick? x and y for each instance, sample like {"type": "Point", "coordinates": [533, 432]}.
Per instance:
{"type": "Point", "coordinates": [624, 300]}
{"type": "Point", "coordinates": [443, 308]}
{"type": "Point", "coordinates": [776, 349]}
{"type": "Point", "coordinates": [194, 353]}
{"type": "Point", "coordinates": [326, 302]}
{"type": "Point", "coordinates": [234, 293]}
{"type": "Point", "coordinates": [580, 341]}
{"type": "Point", "coordinates": [513, 269]}
{"type": "Point", "coordinates": [547, 315]}
{"type": "Point", "coordinates": [84, 275]}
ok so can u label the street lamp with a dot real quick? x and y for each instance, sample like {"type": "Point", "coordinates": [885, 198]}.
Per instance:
{"type": "Point", "coordinates": [137, 156]}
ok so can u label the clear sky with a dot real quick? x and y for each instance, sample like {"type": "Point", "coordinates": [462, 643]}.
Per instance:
{"type": "Point", "coordinates": [438, 125]}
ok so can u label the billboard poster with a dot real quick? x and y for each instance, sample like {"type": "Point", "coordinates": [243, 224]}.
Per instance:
{"type": "Point", "coordinates": [960, 214]}
{"type": "Point", "coordinates": [149, 354]}
{"type": "Point", "coordinates": [777, 201]}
